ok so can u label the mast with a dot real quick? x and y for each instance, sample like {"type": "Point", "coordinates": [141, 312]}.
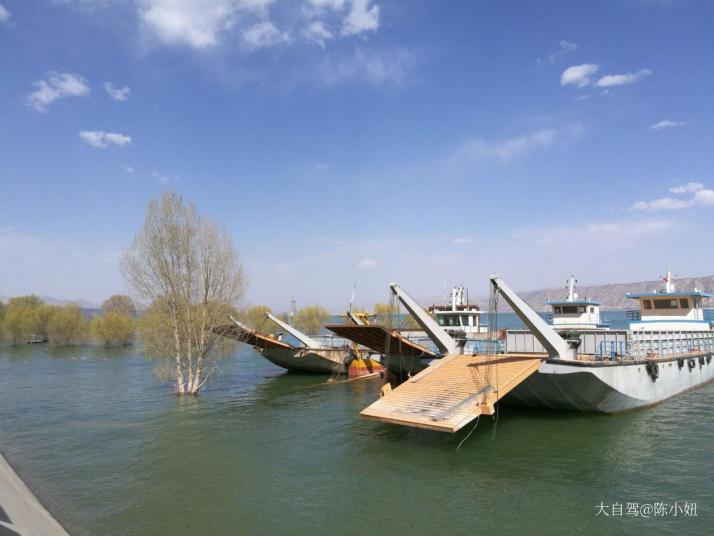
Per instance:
{"type": "Point", "coordinates": [299, 335]}
{"type": "Point", "coordinates": [441, 339]}
{"type": "Point", "coordinates": [554, 344]}
{"type": "Point", "coordinates": [572, 296]}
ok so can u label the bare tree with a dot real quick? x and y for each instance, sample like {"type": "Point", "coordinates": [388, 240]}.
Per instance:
{"type": "Point", "coordinates": [189, 272]}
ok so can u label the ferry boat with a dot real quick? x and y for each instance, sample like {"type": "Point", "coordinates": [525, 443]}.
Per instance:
{"type": "Point", "coordinates": [666, 351]}
{"type": "Point", "coordinates": [458, 317]}
{"type": "Point", "coordinates": [575, 313]}
{"type": "Point", "coordinates": [321, 355]}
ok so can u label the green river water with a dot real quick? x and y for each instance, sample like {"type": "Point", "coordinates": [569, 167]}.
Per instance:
{"type": "Point", "coordinates": [109, 450]}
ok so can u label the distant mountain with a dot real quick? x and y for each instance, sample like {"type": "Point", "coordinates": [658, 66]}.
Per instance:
{"type": "Point", "coordinates": [611, 297]}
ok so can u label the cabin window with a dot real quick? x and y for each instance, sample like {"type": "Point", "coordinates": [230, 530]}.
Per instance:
{"type": "Point", "coordinates": [592, 309]}
{"type": "Point", "coordinates": [570, 309]}
{"type": "Point", "coordinates": [684, 303]}
{"type": "Point", "coordinates": [581, 309]}
{"type": "Point", "coordinates": [666, 304]}
{"type": "Point", "coordinates": [464, 320]}
{"type": "Point", "coordinates": [648, 304]}
{"type": "Point", "coordinates": [557, 309]}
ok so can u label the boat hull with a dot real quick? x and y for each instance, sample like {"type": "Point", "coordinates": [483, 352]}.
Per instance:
{"type": "Point", "coordinates": [609, 387]}
{"type": "Point", "coordinates": [315, 361]}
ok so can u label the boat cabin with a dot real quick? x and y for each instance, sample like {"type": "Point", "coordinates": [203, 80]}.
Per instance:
{"type": "Point", "coordinates": [574, 313]}
{"type": "Point", "coordinates": [668, 309]}
{"type": "Point", "coordinates": [459, 315]}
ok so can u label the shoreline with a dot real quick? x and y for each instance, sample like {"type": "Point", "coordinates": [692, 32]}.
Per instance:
{"type": "Point", "coordinates": [20, 509]}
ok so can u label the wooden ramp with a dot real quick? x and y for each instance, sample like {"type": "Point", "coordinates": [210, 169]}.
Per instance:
{"type": "Point", "coordinates": [380, 339]}
{"type": "Point", "coordinates": [450, 393]}
{"type": "Point", "coordinates": [251, 337]}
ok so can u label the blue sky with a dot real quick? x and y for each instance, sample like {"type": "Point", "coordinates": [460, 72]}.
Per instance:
{"type": "Point", "coordinates": [367, 141]}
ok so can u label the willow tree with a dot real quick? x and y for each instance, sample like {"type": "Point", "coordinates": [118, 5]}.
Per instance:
{"type": "Point", "coordinates": [254, 317]}
{"type": "Point", "coordinates": [189, 273]}
{"type": "Point", "coordinates": [310, 319]}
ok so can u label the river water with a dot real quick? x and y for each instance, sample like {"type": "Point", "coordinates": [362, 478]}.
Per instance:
{"type": "Point", "coordinates": [109, 450]}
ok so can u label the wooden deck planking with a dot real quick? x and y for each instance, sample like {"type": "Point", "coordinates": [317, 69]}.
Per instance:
{"type": "Point", "coordinates": [380, 339]}
{"type": "Point", "coordinates": [253, 338]}
{"type": "Point", "coordinates": [452, 392]}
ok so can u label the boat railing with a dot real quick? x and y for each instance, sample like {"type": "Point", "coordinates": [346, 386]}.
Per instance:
{"type": "Point", "coordinates": [649, 344]}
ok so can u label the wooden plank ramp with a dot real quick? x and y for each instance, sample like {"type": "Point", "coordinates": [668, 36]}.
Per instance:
{"type": "Point", "coordinates": [380, 339]}
{"type": "Point", "coordinates": [453, 391]}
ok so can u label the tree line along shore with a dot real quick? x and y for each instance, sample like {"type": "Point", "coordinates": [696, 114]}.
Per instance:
{"type": "Point", "coordinates": [27, 319]}
{"type": "Point", "coordinates": [187, 279]}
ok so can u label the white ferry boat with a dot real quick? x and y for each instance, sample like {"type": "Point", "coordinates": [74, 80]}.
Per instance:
{"type": "Point", "coordinates": [575, 313]}
{"type": "Point", "coordinates": [666, 351]}
{"type": "Point", "coordinates": [458, 317]}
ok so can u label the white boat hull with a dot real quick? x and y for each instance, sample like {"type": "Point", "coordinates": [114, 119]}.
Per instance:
{"type": "Point", "coordinates": [609, 388]}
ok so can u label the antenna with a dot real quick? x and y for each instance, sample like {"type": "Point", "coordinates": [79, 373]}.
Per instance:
{"type": "Point", "coordinates": [291, 314]}
{"type": "Point", "coordinates": [352, 299]}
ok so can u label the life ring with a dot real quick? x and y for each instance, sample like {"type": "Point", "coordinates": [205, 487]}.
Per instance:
{"type": "Point", "coordinates": [653, 369]}
{"type": "Point", "coordinates": [691, 364]}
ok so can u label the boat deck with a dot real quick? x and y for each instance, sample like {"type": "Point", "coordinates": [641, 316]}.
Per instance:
{"type": "Point", "coordinates": [449, 394]}
{"type": "Point", "coordinates": [381, 340]}
{"type": "Point", "coordinates": [251, 337]}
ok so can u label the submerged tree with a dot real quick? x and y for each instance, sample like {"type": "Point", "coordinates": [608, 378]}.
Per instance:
{"type": "Point", "coordinates": [20, 319]}
{"type": "Point", "coordinates": [310, 319]}
{"type": "Point", "coordinates": [66, 325]}
{"type": "Point", "coordinates": [189, 272]}
{"type": "Point", "coordinates": [113, 329]}
{"type": "Point", "coordinates": [116, 325]}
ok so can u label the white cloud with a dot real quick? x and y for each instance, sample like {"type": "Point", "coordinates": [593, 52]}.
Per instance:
{"type": "Point", "coordinates": [374, 67]}
{"type": "Point", "coordinates": [128, 169]}
{"type": "Point", "coordinates": [612, 80]}
{"type": "Point", "coordinates": [664, 203]}
{"type": "Point", "coordinates": [163, 179]}
{"type": "Point", "coordinates": [578, 75]}
{"type": "Point", "coordinates": [317, 33]}
{"type": "Point", "coordinates": [117, 93]}
{"type": "Point", "coordinates": [616, 231]}
{"type": "Point", "coordinates": [4, 14]}
{"type": "Point", "coordinates": [367, 264]}
{"type": "Point", "coordinates": [57, 86]}
{"type": "Point", "coordinates": [510, 149]}
{"type": "Point", "coordinates": [702, 197]}
{"type": "Point", "coordinates": [264, 34]}
{"type": "Point", "coordinates": [197, 24]}
{"type": "Point", "coordinates": [463, 240]}
{"type": "Point", "coordinates": [101, 139]}
{"type": "Point", "coordinates": [667, 123]}
{"type": "Point", "coordinates": [362, 17]}
{"type": "Point", "coordinates": [687, 188]}
{"type": "Point", "coordinates": [335, 5]}
{"type": "Point", "coordinates": [565, 48]}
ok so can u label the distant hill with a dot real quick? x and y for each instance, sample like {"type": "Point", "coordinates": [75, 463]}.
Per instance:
{"type": "Point", "coordinates": [611, 297]}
